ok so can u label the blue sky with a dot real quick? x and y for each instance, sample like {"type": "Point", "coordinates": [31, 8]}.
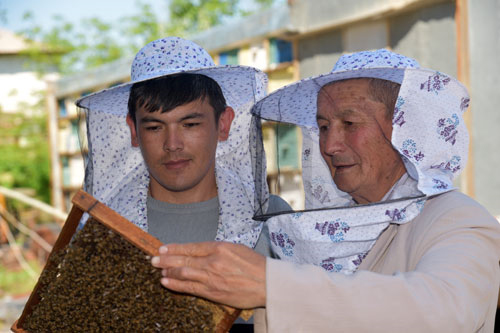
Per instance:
{"type": "Point", "coordinates": [72, 10]}
{"type": "Point", "coordinates": [75, 10]}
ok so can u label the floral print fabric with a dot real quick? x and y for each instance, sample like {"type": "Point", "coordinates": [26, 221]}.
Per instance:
{"type": "Point", "coordinates": [428, 131]}
{"type": "Point", "coordinates": [116, 173]}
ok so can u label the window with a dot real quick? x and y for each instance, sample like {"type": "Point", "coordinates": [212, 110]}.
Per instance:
{"type": "Point", "coordinates": [229, 57]}
{"type": "Point", "coordinates": [63, 112]}
{"type": "Point", "coordinates": [280, 51]}
{"type": "Point", "coordinates": [288, 156]}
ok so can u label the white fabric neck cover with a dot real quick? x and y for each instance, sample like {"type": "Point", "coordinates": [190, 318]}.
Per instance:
{"type": "Point", "coordinates": [428, 132]}
{"type": "Point", "coordinates": [116, 173]}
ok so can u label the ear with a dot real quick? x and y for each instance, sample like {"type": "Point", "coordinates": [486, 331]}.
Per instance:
{"type": "Point", "coordinates": [133, 132]}
{"type": "Point", "coordinates": [225, 120]}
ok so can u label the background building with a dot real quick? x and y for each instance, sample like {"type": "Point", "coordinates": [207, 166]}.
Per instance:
{"type": "Point", "coordinates": [21, 86]}
{"type": "Point", "coordinates": [304, 38]}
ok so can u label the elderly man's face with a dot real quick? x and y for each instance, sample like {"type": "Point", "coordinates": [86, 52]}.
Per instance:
{"type": "Point", "coordinates": [355, 140]}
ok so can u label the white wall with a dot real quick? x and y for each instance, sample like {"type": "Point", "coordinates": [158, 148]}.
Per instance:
{"type": "Point", "coordinates": [20, 91]}
{"type": "Point", "coordinates": [484, 48]}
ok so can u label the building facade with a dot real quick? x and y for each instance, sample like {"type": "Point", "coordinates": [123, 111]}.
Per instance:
{"type": "Point", "coordinates": [304, 38]}
{"type": "Point", "coordinates": [21, 86]}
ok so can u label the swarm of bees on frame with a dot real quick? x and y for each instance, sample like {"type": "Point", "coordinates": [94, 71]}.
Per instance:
{"type": "Point", "coordinates": [102, 282]}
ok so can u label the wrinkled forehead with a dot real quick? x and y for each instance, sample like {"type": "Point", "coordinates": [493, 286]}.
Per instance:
{"type": "Point", "coordinates": [350, 97]}
{"type": "Point", "coordinates": [359, 81]}
{"type": "Point", "coordinates": [297, 103]}
{"type": "Point", "coordinates": [355, 89]}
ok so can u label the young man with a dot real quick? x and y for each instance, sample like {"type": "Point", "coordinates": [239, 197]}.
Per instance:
{"type": "Point", "coordinates": [181, 165]}
{"type": "Point", "coordinates": [177, 122]}
{"type": "Point", "coordinates": [399, 250]}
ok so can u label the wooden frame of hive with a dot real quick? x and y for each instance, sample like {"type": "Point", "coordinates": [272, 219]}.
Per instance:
{"type": "Point", "coordinates": [85, 203]}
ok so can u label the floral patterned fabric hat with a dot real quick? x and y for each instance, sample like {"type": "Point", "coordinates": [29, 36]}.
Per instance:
{"type": "Point", "coordinates": [428, 132]}
{"type": "Point", "coordinates": [115, 171]}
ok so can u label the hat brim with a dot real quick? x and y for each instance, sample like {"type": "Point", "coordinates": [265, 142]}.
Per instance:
{"type": "Point", "coordinates": [299, 99]}
{"type": "Point", "coordinates": [114, 100]}
{"type": "Point", "coordinates": [432, 155]}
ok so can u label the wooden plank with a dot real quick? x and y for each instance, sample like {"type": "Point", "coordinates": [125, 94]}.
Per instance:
{"type": "Point", "coordinates": [117, 223]}
{"type": "Point", "coordinates": [63, 239]}
{"type": "Point", "coordinates": [466, 179]}
{"type": "Point", "coordinates": [84, 202]}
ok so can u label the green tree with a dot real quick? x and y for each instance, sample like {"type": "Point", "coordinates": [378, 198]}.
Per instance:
{"type": "Point", "coordinates": [66, 49]}
{"type": "Point", "coordinates": [70, 48]}
{"type": "Point", "coordinates": [192, 16]}
{"type": "Point", "coordinates": [142, 27]}
{"type": "Point", "coordinates": [24, 152]}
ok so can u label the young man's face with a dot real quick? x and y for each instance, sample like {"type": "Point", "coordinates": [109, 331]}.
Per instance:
{"type": "Point", "coordinates": [178, 147]}
{"type": "Point", "coordinates": [355, 140]}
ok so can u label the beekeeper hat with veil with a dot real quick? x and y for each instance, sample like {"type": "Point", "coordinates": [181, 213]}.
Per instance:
{"type": "Point", "coordinates": [428, 132]}
{"type": "Point", "coordinates": [116, 173]}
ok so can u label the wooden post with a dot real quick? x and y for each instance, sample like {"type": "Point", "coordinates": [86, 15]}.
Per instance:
{"type": "Point", "coordinates": [55, 165]}
{"type": "Point", "coordinates": [3, 232]}
{"type": "Point", "coordinates": [463, 65]}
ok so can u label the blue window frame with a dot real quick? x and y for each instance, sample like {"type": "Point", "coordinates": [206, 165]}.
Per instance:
{"type": "Point", "coordinates": [229, 57]}
{"type": "Point", "coordinates": [280, 51]}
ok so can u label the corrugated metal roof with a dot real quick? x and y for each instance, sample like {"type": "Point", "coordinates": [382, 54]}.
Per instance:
{"type": "Point", "coordinates": [101, 76]}
{"type": "Point", "coordinates": [272, 21]}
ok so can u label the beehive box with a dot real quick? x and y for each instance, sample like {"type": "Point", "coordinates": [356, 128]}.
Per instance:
{"type": "Point", "coordinates": [102, 280]}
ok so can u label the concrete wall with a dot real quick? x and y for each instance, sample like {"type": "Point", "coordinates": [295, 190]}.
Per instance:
{"type": "Point", "coordinates": [427, 35]}
{"type": "Point", "coordinates": [314, 15]}
{"type": "Point", "coordinates": [21, 88]}
{"type": "Point", "coordinates": [484, 29]}
{"type": "Point", "coordinates": [12, 63]}
{"type": "Point", "coordinates": [317, 55]}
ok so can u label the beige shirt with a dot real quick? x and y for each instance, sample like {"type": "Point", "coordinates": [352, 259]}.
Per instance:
{"type": "Point", "coordinates": [437, 273]}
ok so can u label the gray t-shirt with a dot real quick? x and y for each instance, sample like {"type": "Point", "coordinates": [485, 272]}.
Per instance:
{"type": "Point", "coordinates": [197, 222]}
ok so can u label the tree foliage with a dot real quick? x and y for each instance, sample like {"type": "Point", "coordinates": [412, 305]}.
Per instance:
{"type": "Point", "coordinates": [68, 47]}
{"type": "Point", "coordinates": [193, 16]}
{"type": "Point", "coordinates": [24, 152]}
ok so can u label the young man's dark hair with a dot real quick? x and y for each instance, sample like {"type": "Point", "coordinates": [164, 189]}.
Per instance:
{"type": "Point", "coordinates": [167, 93]}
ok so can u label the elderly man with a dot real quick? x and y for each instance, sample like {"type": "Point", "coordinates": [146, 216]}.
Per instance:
{"type": "Point", "coordinates": [388, 245]}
